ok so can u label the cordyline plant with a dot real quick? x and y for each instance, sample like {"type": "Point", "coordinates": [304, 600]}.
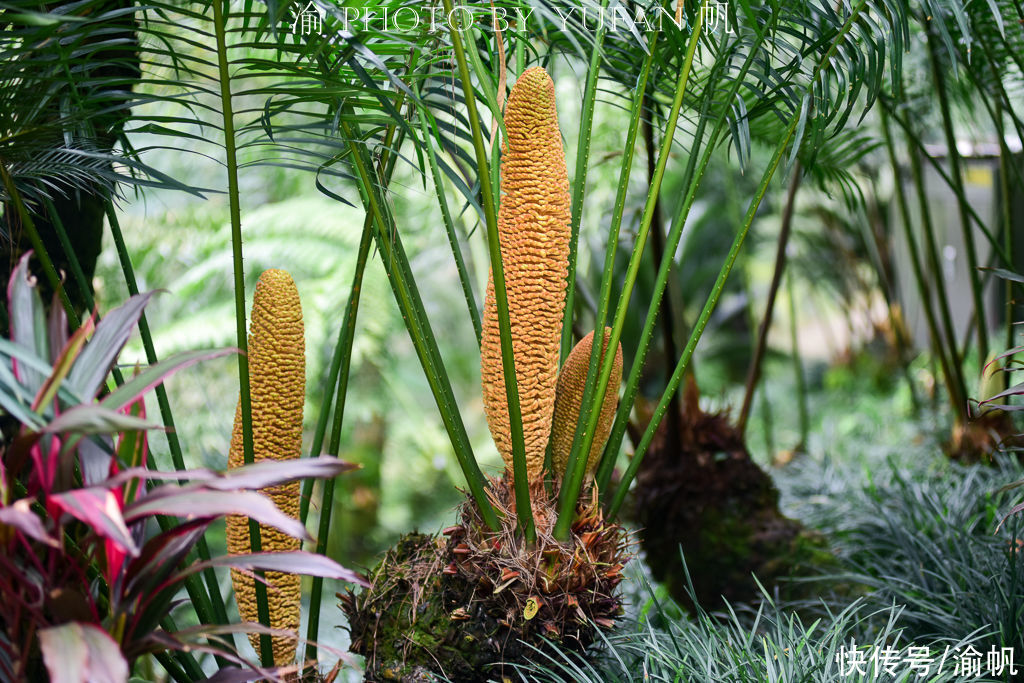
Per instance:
{"type": "Point", "coordinates": [91, 586]}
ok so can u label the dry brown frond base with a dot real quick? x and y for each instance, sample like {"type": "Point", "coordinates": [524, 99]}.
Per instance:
{"type": "Point", "coordinates": [472, 600]}
{"type": "Point", "coordinates": [981, 438]}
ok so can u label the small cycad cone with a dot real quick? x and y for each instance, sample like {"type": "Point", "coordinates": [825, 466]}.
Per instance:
{"type": "Point", "coordinates": [534, 235]}
{"type": "Point", "coordinates": [277, 382]}
{"type": "Point", "coordinates": [569, 397]}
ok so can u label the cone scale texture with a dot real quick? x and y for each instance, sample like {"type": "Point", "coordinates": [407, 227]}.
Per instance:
{"type": "Point", "coordinates": [534, 234]}
{"type": "Point", "coordinates": [277, 382]}
{"type": "Point", "coordinates": [569, 397]}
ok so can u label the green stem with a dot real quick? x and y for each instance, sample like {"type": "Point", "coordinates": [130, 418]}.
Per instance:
{"type": "Point", "coordinates": [245, 398]}
{"type": "Point", "coordinates": [754, 373]}
{"type": "Point", "coordinates": [338, 391]}
{"type": "Point", "coordinates": [184, 660]}
{"type": "Point", "coordinates": [798, 368]}
{"type": "Point", "coordinates": [403, 285]}
{"type": "Point", "coordinates": [957, 177]}
{"type": "Point", "coordinates": [616, 222]}
{"type": "Point", "coordinates": [692, 178]}
{"type": "Point", "coordinates": [323, 533]}
{"type": "Point", "coordinates": [579, 178]}
{"type": "Point", "coordinates": [62, 236]}
{"type": "Point", "coordinates": [665, 312]}
{"type": "Point", "coordinates": [702, 321]}
{"type": "Point", "coordinates": [449, 226]}
{"type": "Point", "coordinates": [387, 162]}
{"type": "Point", "coordinates": [915, 261]}
{"type": "Point", "coordinates": [958, 392]}
{"type": "Point", "coordinates": [1005, 162]}
{"type": "Point", "coordinates": [916, 141]}
{"type": "Point", "coordinates": [589, 416]}
{"type": "Point", "coordinates": [519, 475]}
{"type": "Point", "coordinates": [175, 671]}
{"type": "Point", "coordinates": [208, 602]}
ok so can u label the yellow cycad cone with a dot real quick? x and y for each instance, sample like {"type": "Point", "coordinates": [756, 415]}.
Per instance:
{"type": "Point", "coordinates": [277, 381]}
{"type": "Point", "coordinates": [533, 231]}
{"type": "Point", "coordinates": [571, 382]}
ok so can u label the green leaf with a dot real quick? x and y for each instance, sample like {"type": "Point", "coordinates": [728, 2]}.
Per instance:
{"type": "Point", "coordinates": [112, 333]}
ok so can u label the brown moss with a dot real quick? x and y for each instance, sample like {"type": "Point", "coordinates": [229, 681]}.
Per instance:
{"type": "Point", "coordinates": [277, 382]}
{"type": "Point", "coordinates": [533, 231]}
{"type": "Point", "coordinates": [569, 398]}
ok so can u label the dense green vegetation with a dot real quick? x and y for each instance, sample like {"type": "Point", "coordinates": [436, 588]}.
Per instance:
{"type": "Point", "coordinates": [810, 211]}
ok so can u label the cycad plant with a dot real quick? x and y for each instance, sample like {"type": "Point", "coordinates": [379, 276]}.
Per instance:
{"type": "Point", "coordinates": [512, 582]}
{"type": "Point", "coordinates": [968, 67]}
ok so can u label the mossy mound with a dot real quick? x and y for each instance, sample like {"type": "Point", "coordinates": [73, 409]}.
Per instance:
{"type": "Point", "coordinates": [471, 600]}
{"type": "Point", "coordinates": [700, 492]}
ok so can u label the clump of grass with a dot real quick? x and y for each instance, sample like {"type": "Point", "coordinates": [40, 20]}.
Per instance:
{"type": "Point", "coordinates": [924, 560]}
{"type": "Point", "coordinates": [772, 644]}
{"type": "Point", "coordinates": [927, 536]}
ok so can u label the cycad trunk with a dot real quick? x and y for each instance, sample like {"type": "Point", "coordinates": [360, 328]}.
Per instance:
{"type": "Point", "coordinates": [707, 498]}
{"type": "Point", "coordinates": [471, 602]}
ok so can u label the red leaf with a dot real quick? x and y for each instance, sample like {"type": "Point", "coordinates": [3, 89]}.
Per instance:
{"type": "Point", "coordinates": [100, 510]}
{"type": "Point", "coordinates": [27, 323]}
{"type": "Point", "coordinates": [46, 463]}
{"type": "Point", "coordinates": [256, 476]}
{"type": "Point", "coordinates": [95, 418]}
{"type": "Point", "coordinates": [291, 562]}
{"type": "Point", "coordinates": [159, 556]}
{"type": "Point", "coordinates": [155, 374]}
{"type": "Point", "coordinates": [20, 516]}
